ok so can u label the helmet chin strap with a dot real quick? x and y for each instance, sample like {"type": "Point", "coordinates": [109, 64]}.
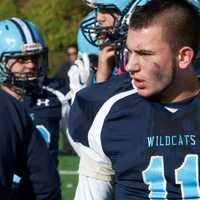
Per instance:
{"type": "Point", "coordinates": [21, 88]}
{"type": "Point", "coordinates": [27, 87]}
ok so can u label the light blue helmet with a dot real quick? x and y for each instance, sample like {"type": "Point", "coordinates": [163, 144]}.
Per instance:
{"type": "Point", "coordinates": [84, 45]}
{"type": "Point", "coordinates": [195, 3]}
{"type": "Point", "coordinates": [18, 38]}
{"type": "Point", "coordinates": [118, 4]}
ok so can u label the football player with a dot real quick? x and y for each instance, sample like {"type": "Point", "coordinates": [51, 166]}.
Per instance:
{"type": "Point", "coordinates": [84, 110]}
{"type": "Point", "coordinates": [151, 134]}
{"type": "Point", "coordinates": [23, 74]}
{"type": "Point", "coordinates": [95, 172]}
{"type": "Point", "coordinates": [23, 152]}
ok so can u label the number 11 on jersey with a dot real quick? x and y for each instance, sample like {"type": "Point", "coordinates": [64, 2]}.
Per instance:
{"type": "Point", "coordinates": [187, 175]}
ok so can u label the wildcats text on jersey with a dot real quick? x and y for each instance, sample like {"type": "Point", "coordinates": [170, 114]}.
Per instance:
{"type": "Point", "coordinates": [171, 140]}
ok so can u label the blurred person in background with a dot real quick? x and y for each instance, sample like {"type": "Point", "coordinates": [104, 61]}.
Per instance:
{"type": "Point", "coordinates": [72, 53]}
{"type": "Point", "coordinates": [71, 56]}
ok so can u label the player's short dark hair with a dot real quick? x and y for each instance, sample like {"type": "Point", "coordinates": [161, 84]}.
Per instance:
{"type": "Point", "coordinates": [74, 45]}
{"type": "Point", "coordinates": [179, 18]}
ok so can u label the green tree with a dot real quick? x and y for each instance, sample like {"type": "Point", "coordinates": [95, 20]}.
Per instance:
{"type": "Point", "coordinates": [8, 8]}
{"type": "Point", "coordinates": [58, 20]}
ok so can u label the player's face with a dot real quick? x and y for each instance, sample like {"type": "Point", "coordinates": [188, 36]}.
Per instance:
{"type": "Point", "coordinates": [151, 64]}
{"type": "Point", "coordinates": [106, 18]}
{"type": "Point", "coordinates": [24, 65]}
{"type": "Point", "coordinates": [72, 54]}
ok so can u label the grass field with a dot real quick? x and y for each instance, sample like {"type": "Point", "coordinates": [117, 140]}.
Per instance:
{"type": "Point", "coordinates": [68, 166]}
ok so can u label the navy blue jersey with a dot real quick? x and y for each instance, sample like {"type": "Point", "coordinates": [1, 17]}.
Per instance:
{"type": "Point", "coordinates": [23, 152]}
{"type": "Point", "coordinates": [59, 84]}
{"type": "Point", "coordinates": [87, 103]}
{"type": "Point", "coordinates": [95, 169]}
{"type": "Point", "coordinates": [153, 149]}
{"type": "Point", "coordinates": [47, 109]}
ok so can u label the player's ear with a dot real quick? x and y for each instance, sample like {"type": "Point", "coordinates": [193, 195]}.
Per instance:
{"type": "Point", "coordinates": [185, 56]}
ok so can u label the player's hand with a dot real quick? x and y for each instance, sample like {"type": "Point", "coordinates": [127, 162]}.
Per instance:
{"type": "Point", "coordinates": [105, 63]}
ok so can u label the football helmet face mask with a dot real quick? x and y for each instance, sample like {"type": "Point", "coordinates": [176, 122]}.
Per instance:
{"type": "Point", "coordinates": [83, 45]}
{"type": "Point", "coordinates": [20, 39]}
{"type": "Point", "coordinates": [92, 29]}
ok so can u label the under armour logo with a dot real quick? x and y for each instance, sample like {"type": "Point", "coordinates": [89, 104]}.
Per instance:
{"type": "Point", "coordinates": [41, 102]}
